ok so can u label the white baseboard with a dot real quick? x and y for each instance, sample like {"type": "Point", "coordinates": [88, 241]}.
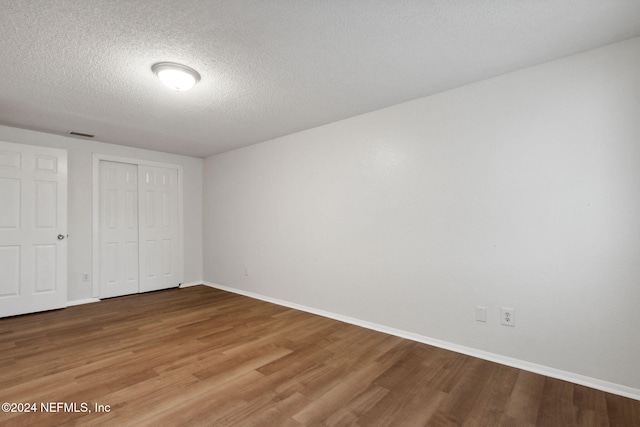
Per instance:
{"type": "Point", "coordinates": [90, 300]}
{"type": "Point", "coordinates": [572, 377]}
{"type": "Point", "coordinates": [82, 301]}
{"type": "Point", "coordinates": [186, 285]}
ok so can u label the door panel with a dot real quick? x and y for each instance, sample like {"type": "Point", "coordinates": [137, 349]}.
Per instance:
{"type": "Point", "coordinates": [45, 263]}
{"type": "Point", "coordinates": [45, 204]}
{"type": "Point", "coordinates": [159, 228]}
{"type": "Point", "coordinates": [10, 196]}
{"type": "Point", "coordinates": [10, 157]}
{"type": "Point", "coordinates": [118, 219]}
{"type": "Point", "coordinates": [10, 267]}
{"type": "Point", "coordinates": [33, 261]}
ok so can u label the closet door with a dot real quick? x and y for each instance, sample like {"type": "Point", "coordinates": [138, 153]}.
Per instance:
{"type": "Point", "coordinates": [118, 219]}
{"type": "Point", "coordinates": [160, 256]}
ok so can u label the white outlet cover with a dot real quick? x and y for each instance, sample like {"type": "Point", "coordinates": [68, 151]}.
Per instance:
{"type": "Point", "coordinates": [507, 316]}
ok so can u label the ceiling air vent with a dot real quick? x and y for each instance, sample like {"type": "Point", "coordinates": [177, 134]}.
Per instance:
{"type": "Point", "coordinates": [85, 135]}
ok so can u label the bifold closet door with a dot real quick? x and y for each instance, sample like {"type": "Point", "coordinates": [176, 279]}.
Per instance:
{"type": "Point", "coordinates": [118, 220]}
{"type": "Point", "coordinates": [159, 228]}
{"type": "Point", "coordinates": [33, 228]}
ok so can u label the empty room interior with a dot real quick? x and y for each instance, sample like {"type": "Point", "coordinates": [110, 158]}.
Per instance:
{"type": "Point", "coordinates": [301, 213]}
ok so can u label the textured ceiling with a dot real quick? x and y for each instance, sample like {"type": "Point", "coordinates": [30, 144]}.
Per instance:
{"type": "Point", "coordinates": [269, 68]}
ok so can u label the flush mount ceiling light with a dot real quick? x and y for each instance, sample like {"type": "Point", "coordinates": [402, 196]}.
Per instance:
{"type": "Point", "coordinates": [176, 76]}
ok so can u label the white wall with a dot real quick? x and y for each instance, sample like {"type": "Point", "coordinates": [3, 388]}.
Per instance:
{"type": "Point", "coordinates": [520, 191]}
{"type": "Point", "coordinates": [80, 219]}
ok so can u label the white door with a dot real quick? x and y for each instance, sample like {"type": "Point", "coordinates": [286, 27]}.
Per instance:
{"type": "Point", "coordinates": [160, 255]}
{"type": "Point", "coordinates": [118, 219]}
{"type": "Point", "coordinates": [33, 229]}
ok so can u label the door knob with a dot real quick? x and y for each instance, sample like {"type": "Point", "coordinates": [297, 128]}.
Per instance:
{"type": "Point", "coordinates": [60, 236]}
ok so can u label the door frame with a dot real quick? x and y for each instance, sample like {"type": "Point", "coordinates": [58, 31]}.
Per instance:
{"type": "Point", "coordinates": [97, 158]}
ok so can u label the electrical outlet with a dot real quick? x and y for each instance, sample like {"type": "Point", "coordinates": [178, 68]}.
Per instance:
{"type": "Point", "coordinates": [85, 277]}
{"type": "Point", "coordinates": [481, 313]}
{"type": "Point", "coordinates": [507, 316]}
{"type": "Point", "coordinates": [246, 271]}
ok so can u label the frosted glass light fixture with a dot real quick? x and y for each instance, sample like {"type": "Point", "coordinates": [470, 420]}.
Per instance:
{"type": "Point", "coordinates": [176, 76]}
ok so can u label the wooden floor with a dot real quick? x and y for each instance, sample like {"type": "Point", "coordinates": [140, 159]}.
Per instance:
{"type": "Point", "coordinates": [200, 356]}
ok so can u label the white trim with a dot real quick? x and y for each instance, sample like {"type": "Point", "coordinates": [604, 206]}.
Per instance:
{"type": "Point", "coordinates": [189, 284]}
{"type": "Point", "coordinates": [97, 158]}
{"type": "Point", "coordinates": [96, 226]}
{"type": "Point", "coordinates": [605, 386]}
{"type": "Point", "coordinates": [82, 301]}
